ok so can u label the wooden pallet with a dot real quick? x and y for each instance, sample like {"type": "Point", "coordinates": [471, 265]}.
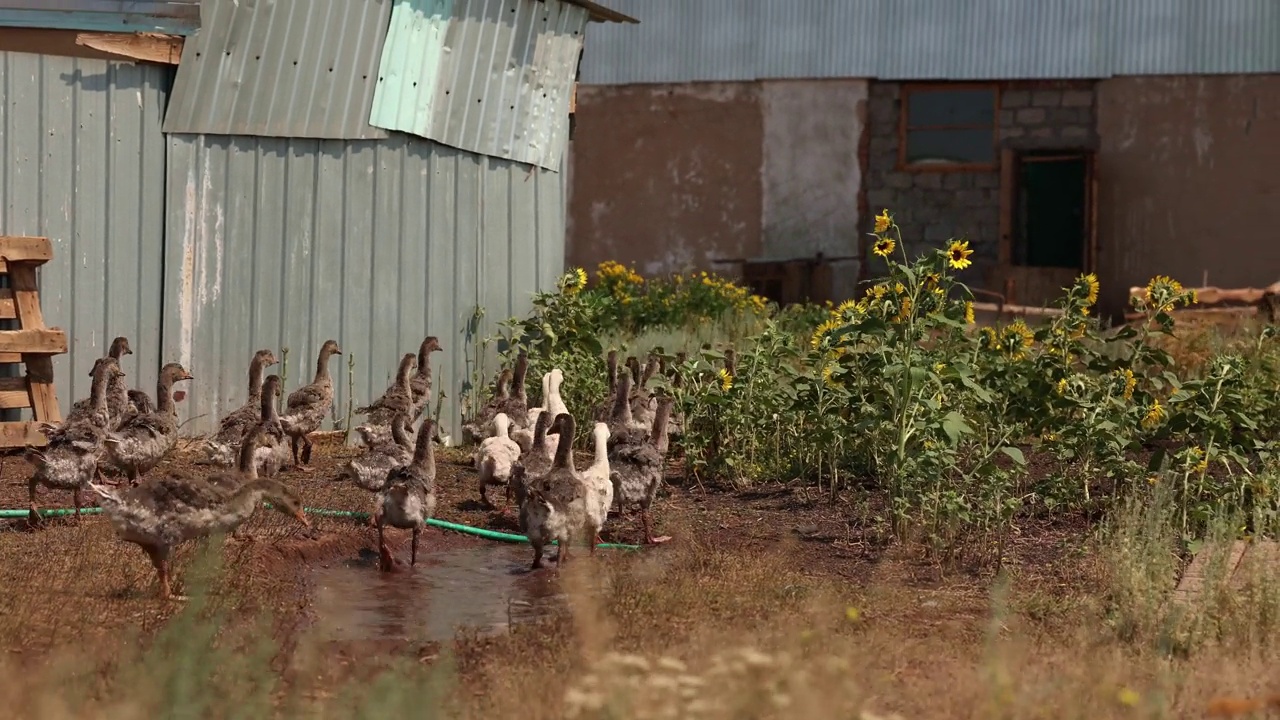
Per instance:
{"type": "Point", "coordinates": [32, 344]}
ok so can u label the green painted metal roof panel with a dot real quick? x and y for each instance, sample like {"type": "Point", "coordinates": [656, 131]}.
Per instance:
{"type": "Point", "coordinates": [490, 76]}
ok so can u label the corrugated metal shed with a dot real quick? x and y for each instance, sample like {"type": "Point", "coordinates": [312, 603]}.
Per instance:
{"type": "Point", "coordinates": [726, 40]}
{"type": "Point", "coordinates": [376, 244]}
{"type": "Point", "coordinates": [175, 17]}
{"type": "Point", "coordinates": [84, 165]}
{"type": "Point", "coordinates": [490, 76]}
{"type": "Point", "coordinates": [281, 68]}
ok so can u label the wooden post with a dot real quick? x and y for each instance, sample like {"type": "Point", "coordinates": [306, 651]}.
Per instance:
{"type": "Point", "coordinates": [32, 344]}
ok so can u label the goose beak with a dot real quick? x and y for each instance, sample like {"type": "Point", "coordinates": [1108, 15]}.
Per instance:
{"type": "Point", "coordinates": [302, 517]}
{"type": "Point", "coordinates": [186, 376]}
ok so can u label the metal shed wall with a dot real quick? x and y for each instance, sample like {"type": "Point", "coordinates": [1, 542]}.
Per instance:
{"type": "Point", "coordinates": [281, 68]}
{"type": "Point", "coordinates": [490, 76]}
{"type": "Point", "coordinates": [84, 165]}
{"type": "Point", "coordinates": [727, 40]}
{"type": "Point", "coordinates": [276, 243]}
{"type": "Point", "coordinates": [177, 17]}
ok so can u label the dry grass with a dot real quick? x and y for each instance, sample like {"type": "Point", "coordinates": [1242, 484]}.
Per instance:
{"type": "Point", "coordinates": [769, 604]}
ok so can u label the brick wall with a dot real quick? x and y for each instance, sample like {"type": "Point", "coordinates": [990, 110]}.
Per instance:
{"type": "Point", "coordinates": [932, 207]}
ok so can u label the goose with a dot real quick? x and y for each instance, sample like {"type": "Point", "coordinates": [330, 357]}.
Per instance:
{"type": "Point", "coordinates": [71, 457]}
{"type": "Point", "coordinates": [398, 399]}
{"type": "Point", "coordinates": [408, 498]}
{"type": "Point", "coordinates": [165, 511]}
{"type": "Point", "coordinates": [484, 416]}
{"type": "Point", "coordinates": [307, 406]}
{"type": "Point", "coordinates": [224, 446]}
{"type": "Point", "coordinates": [118, 405]}
{"type": "Point", "coordinates": [421, 383]}
{"type": "Point", "coordinates": [555, 505]}
{"type": "Point", "coordinates": [272, 454]}
{"type": "Point", "coordinates": [495, 458]}
{"type": "Point", "coordinates": [369, 471]}
{"type": "Point", "coordinates": [604, 409]}
{"type": "Point", "coordinates": [599, 483]}
{"type": "Point", "coordinates": [531, 465]}
{"type": "Point", "coordinates": [143, 440]}
{"type": "Point", "coordinates": [637, 467]}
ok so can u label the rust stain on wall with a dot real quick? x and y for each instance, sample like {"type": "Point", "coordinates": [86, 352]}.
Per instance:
{"type": "Point", "coordinates": [666, 177]}
{"type": "Point", "coordinates": [1187, 181]}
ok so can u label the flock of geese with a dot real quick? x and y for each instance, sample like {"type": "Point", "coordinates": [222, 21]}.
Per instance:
{"type": "Point", "coordinates": [526, 450]}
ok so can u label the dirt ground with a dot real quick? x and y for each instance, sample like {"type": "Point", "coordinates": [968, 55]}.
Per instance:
{"type": "Point", "coordinates": [72, 578]}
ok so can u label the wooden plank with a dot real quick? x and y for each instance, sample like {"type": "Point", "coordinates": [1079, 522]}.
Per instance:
{"type": "Point", "coordinates": [35, 250]}
{"type": "Point", "coordinates": [10, 358]}
{"type": "Point", "coordinates": [8, 310]}
{"type": "Point", "coordinates": [44, 398]}
{"type": "Point", "coordinates": [19, 434]}
{"type": "Point", "coordinates": [51, 341]}
{"type": "Point", "coordinates": [14, 393]}
{"type": "Point", "coordinates": [147, 47]}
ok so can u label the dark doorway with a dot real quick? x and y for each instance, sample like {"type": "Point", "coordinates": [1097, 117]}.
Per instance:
{"type": "Point", "coordinates": [1052, 218]}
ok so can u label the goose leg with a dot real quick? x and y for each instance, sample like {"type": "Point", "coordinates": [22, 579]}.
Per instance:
{"type": "Point", "coordinates": [413, 548]}
{"type": "Point", "coordinates": [537, 556]}
{"type": "Point", "coordinates": [647, 522]}
{"type": "Point", "coordinates": [293, 441]}
{"type": "Point", "coordinates": [160, 560]}
{"type": "Point", "coordinates": [75, 500]}
{"type": "Point", "coordinates": [384, 553]}
{"type": "Point", "coordinates": [306, 450]}
{"type": "Point", "coordinates": [34, 515]}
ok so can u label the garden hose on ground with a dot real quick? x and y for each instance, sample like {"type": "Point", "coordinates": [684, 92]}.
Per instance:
{"type": "Point", "coordinates": [354, 515]}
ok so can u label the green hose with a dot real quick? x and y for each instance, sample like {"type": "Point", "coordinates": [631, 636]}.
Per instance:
{"type": "Point", "coordinates": [355, 515]}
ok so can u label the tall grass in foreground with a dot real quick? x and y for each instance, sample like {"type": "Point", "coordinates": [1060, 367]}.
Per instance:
{"type": "Point", "coordinates": [729, 633]}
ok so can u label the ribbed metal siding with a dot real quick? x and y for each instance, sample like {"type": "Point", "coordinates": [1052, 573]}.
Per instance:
{"type": "Point", "coordinates": [84, 166]}
{"type": "Point", "coordinates": [499, 84]}
{"type": "Point", "coordinates": [281, 68]}
{"type": "Point", "coordinates": [178, 17]}
{"type": "Point", "coordinates": [278, 243]}
{"type": "Point", "coordinates": [726, 40]}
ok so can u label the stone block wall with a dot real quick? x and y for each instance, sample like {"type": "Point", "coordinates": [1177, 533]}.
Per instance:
{"type": "Point", "coordinates": [932, 207]}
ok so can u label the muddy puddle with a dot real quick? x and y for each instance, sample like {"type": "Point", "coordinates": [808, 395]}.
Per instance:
{"type": "Point", "coordinates": [487, 587]}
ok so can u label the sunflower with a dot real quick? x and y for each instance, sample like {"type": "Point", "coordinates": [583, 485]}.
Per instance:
{"type": "Point", "coordinates": [1202, 460]}
{"type": "Point", "coordinates": [574, 280]}
{"type": "Point", "coordinates": [904, 310]}
{"type": "Point", "coordinates": [883, 247]}
{"type": "Point", "coordinates": [968, 313]}
{"type": "Point", "coordinates": [726, 380]}
{"type": "Point", "coordinates": [827, 371]}
{"type": "Point", "coordinates": [1155, 415]}
{"type": "Point", "coordinates": [822, 332]}
{"type": "Point", "coordinates": [1090, 282]}
{"type": "Point", "coordinates": [958, 255]}
{"type": "Point", "coordinates": [1062, 386]}
{"type": "Point", "coordinates": [883, 221]}
{"type": "Point", "coordinates": [1017, 339]}
{"type": "Point", "coordinates": [1129, 382]}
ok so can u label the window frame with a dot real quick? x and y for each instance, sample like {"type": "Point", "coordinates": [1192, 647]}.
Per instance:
{"type": "Point", "coordinates": [904, 109]}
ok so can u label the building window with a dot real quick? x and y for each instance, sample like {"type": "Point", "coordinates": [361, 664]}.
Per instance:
{"type": "Point", "coordinates": [949, 127]}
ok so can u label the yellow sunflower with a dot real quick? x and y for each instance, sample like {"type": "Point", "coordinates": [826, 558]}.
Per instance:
{"type": "Point", "coordinates": [1017, 339]}
{"type": "Point", "coordinates": [883, 247]}
{"type": "Point", "coordinates": [968, 313]}
{"type": "Point", "coordinates": [958, 255]}
{"type": "Point", "coordinates": [726, 380]}
{"type": "Point", "coordinates": [1091, 284]}
{"type": "Point", "coordinates": [1129, 382]}
{"type": "Point", "coordinates": [827, 371]}
{"type": "Point", "coordinates": [1155, 415]}
{"type": "Point", "coordinates": [883, 221]}
{"type": "Point", "coordinates": [822, 332]}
